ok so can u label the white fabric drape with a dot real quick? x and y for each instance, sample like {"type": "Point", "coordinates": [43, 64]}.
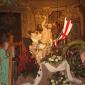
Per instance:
{"type": "Point", "coordinates": [38, 78]}
{"type": "Point", "coordinates": [63, 66]}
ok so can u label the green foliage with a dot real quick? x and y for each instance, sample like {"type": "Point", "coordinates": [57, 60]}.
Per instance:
{"type": "Point", "coordinates": [72, 44]}
{"type": "Point", "coordinates": [72, 54]}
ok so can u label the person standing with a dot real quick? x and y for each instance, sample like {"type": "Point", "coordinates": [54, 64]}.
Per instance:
{"type": "Point", "coordinates": [4, 59]}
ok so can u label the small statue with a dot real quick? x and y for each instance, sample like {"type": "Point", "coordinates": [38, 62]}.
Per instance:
{"type": "Point", "coordinates": [46, 33]}
{"type": "Point", "coordinates": [42, 40]}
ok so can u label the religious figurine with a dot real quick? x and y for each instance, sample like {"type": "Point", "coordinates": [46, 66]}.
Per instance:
{"type": "Point", "coordinates": [36, 36]}
{"type": "Point", "coordinates": [42, 39]}
{"type": "Point", "coordinates": [46, 34]}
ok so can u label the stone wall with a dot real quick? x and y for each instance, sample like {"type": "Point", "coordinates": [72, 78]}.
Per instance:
{"type": "Point", "coordinates": [27, 17]}
{"type": "Point", "coordinates": [28, 22]}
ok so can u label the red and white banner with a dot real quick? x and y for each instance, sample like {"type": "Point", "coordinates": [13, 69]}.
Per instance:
{"type": "Point", "coordinates": [66, 30]}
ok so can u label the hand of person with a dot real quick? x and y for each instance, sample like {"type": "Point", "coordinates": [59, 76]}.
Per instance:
{"type": "Point", "coordinates": [44, 17]}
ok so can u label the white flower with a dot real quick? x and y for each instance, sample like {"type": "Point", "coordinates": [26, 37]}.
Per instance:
{"type": "Point", "coordinates": [53, 84]}
{"type": "Point", "coordinates": [64, 82]}
{"type": "Point", "coordinates": [59, 57]}
{"type": "Point", "coordinates": [52, 59]}
{"type": "Point", "coordinates": [52, 80]}
{"type": "Point", "coordinates": [49, 59]}
{"type": "Point", "coordinates": [56, 60]}
{"type": "Point", "coordinates": [56, 82]}
{"type": "Point", "coordinates": [61, 78]}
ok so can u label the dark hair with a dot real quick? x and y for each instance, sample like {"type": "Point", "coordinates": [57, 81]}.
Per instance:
{"type": "Point", "coordinates": [39, 28]}
{"type": "Point", "coordinates": [3, 36]}
{"type": "Point", "coordinates": [9, 32]}
{"type": "Point", "coordinates": [27, 42]}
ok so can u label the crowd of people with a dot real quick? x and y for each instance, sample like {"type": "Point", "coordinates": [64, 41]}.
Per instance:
{"type": "Point", "coordinates": [6, 51]}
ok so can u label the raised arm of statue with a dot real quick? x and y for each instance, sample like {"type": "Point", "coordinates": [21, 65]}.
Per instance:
{"type": "Point", "coordinates": [43, 23]}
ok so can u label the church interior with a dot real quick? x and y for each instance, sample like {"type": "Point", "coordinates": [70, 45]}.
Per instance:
{"type": "Point", "coordinates": [42, 42]}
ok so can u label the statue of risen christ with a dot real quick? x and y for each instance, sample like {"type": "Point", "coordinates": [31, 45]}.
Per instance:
{"type": "Point", "coordinates": [44, 42]}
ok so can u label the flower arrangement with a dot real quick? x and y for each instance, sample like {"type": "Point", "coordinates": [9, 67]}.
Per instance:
{"type": "Point", "coordinates": [52, 58]}
{"type": "Point", "coordinates": [55, 56]}
{"type": "Point", "coordinates": [72, 55]}
{"type": "Point", "coordinates": [74, 60]}
{"type": "Point", "coordinates": [59, 78]}
{"type": "Point", "coordinates": [28, 65]}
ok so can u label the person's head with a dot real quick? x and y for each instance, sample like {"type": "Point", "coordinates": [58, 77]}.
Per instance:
{"type": "Point", "coordinates": [82, 55]}
{"type": "Point", "coordinates": [49, 26]}
{"type": "Point", "coordinates": [27, 43]}
{"type": "Point", "coordinates": [39, 28]}
{"type": "Point", "coordinates": [10, 37]}
{"type": "Point", "coordinates": [4, 41]}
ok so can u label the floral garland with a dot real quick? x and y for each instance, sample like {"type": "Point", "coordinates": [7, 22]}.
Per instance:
{"type": "Point", "coordinates": [54, 59]}
{"type": "Point", "coordinates": [59, 78]}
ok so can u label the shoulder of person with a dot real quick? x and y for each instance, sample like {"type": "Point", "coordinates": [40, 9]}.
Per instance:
{"type": "Point", "coordinates": [2, 52]}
